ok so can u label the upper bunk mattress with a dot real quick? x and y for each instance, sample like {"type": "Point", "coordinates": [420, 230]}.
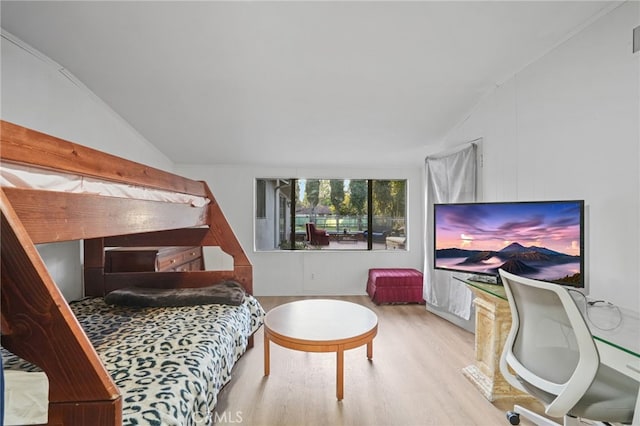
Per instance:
{"type": "Point", "coordinates": [169, 363]}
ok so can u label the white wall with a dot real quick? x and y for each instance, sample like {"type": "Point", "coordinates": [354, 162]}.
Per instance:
{"type": "Point", "coordinates": [320, 272]}
{"type": "Point", "coordinates": [568, 127]}
{"type": "Point", "coordinates": [37, 95]}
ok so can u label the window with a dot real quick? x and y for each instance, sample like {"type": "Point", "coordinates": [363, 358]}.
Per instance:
{"type": "Point", "coordinates": [261, 198]}
{"type": "Point", "coordinates": [332, 214]}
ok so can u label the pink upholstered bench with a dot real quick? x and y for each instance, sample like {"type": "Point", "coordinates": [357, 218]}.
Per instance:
{"type": "Point", "coordinates": [395, 285]}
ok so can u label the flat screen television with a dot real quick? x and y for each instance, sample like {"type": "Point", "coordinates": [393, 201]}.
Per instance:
{"type": "Point", "coordinates": [543, 240]}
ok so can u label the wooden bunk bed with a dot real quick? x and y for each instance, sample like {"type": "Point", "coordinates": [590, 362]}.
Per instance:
{"type": "Point", "coordinates": [37, 322]}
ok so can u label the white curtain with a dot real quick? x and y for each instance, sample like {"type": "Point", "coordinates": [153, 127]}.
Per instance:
{"type": "Point", "coordinates": [450, 177]}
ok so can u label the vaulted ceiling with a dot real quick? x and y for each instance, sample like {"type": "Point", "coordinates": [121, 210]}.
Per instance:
{"type": "Point", "coordinates": [295, 82]}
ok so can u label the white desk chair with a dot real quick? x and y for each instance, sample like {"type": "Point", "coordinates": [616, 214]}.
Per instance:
{"type": "Point", "coordinates": [551, 355]}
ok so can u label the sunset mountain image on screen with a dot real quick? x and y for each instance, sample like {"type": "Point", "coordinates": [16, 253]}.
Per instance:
{"type": "Point", "coordinates": [541, 240]}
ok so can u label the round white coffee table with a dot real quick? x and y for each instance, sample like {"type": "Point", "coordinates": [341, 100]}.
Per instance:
{"type": "Point", "coordinates": [321, 325]}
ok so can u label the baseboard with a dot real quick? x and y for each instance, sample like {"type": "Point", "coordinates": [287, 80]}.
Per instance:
{"type": "Point", "coordinates": [469, 325]}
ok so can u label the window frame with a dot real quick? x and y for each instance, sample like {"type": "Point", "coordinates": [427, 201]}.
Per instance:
{"type": "Point", "coordinates": [297, 239]}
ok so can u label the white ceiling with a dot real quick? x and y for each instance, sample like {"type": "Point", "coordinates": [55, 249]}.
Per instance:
{"type": "Point", "coordinates": [294, 83]}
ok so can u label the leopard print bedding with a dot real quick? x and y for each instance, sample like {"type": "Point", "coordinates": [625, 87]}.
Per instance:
{"type": "Point", "coordinates": [169, 363]}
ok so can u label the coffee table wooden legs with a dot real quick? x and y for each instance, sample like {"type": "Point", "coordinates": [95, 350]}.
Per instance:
{"type": "Point", "coordinates": [340, 368]}
{"type": "Point", "coordinates": [339, 364]}
{"type": "Point", "coordinates": [266, 355]}
{"type": "Point", "coordinates": [340, 373]}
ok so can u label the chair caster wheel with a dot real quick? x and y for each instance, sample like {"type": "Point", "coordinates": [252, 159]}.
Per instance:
{"type": "Point", "coordinates": [513, 417]}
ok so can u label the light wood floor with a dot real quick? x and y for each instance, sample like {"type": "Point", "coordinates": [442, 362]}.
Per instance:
{"type": "Point", "coordinates": [415, 378]}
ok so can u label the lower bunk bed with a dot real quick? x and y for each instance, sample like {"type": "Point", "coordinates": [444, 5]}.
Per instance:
{"type": "Point", "coordinates": [169, 363]}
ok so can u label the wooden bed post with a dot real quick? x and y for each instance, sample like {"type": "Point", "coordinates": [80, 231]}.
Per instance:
{"type": "Point", "coordinates": [94, 267]}
{"type": "Point", "coordinates": [35, 309]}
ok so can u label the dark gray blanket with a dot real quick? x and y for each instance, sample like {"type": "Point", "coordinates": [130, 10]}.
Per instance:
{"type": "Point", "coordinates": [226, 292]}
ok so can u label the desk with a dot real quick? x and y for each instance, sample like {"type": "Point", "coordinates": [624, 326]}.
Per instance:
{"type": "Point", "coordinates": [619, 347]}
